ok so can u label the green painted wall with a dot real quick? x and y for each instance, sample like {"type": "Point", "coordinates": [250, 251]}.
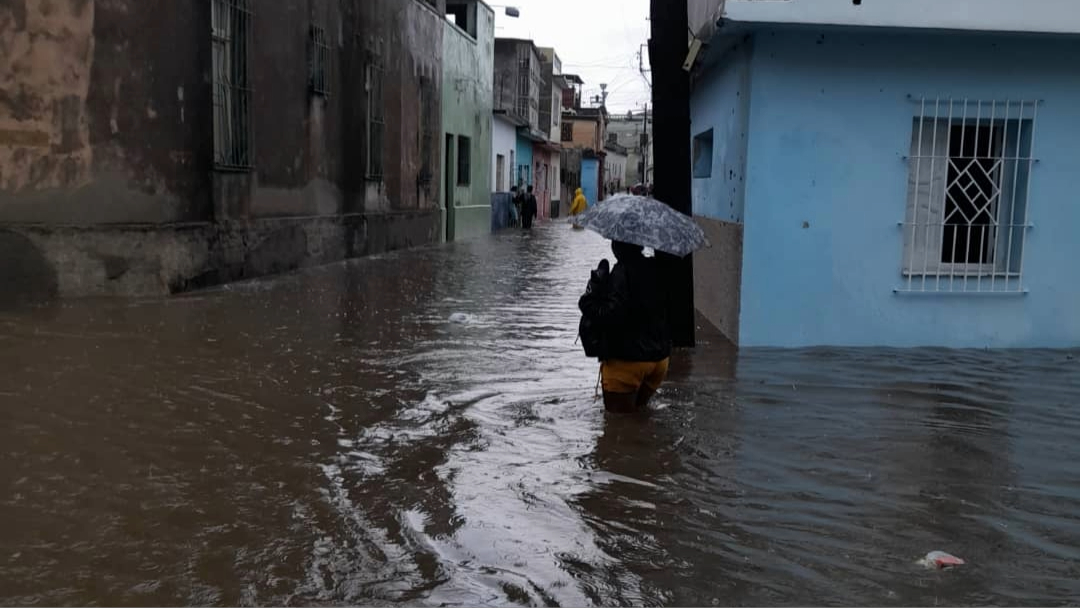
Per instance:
{"type": "Point", "coordinates": [468, 75]}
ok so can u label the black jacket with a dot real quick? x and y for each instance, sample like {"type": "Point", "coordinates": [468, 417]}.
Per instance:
{"type": "Point", "coordinates": [528, 206]}
{"type": "Point", "coordinates": [629, 308]}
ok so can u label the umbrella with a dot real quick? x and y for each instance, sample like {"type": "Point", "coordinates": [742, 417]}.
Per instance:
{"type": "Point", "coordinates": [644, 221]}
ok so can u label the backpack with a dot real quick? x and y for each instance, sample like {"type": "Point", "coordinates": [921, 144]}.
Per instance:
{"type": "Point", "coordinates": [589, 331]}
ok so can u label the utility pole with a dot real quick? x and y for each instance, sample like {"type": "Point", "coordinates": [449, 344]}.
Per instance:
{"type": "Point", "coordinates": [643, 146]}
{"type": "Point", "coordinates": [671, 138]}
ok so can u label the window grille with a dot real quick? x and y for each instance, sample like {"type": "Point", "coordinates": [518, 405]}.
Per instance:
{"type": "Point", "coordinates": [428, 123]}
{"type": "Point", "coordinates": [568, 131]}
{"type": "Point", "coordinates": [231, 27]}
{"type": "Point", "coordinates": [376, 117]}
{"type": "Point", "coordinates": [527, 105]}
{"type": "Point", "coordinates": [969, 179]}
{"type": "Point", "coordinates": [318, 62]}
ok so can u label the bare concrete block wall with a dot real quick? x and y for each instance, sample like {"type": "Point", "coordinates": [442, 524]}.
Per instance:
{"type": "Point", "coordinates": [718, 275]}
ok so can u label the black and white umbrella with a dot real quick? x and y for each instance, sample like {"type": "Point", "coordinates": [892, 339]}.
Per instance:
{"type": "Point", "coordinates": [644, 221]}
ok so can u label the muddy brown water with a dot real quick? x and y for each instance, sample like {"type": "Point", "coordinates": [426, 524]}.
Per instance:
{"type": "Point", "coordinates": [419, 428]}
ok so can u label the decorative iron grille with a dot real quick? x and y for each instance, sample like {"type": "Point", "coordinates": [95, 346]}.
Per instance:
{"type": "Point", "coordinates": [231, 27]}
{"type": "Point", "coordinates": [968, 186]}
{"type": "Point", "coordinates": [318, 62]}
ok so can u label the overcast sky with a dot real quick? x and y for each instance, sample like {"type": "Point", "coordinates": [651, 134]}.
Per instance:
{"type": "Point", "coordinates": [598, 40]}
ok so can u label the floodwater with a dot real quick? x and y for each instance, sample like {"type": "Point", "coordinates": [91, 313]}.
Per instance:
{"type": "Point", "coordinates": [419, 428]}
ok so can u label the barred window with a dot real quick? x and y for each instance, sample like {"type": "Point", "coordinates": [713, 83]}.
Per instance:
{"type": "Point", "coordinates": [428, 123]}
{"type": "Point", "coordinates": [967, 206]}
{"type": "Point", "coordinates": [318, 62]}
{"type": "Point", "coordinates": [231, 22]}
{"type": "Point", "coordinates": [376, 117]}
{"type": "Point", "coordinates": [568, 131]}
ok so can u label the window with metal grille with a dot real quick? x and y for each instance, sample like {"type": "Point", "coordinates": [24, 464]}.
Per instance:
{"type": "Point", "coordinates": [231, 22]}
{"type": "Point", "coordinates": [568, 131]}
{"type": "Point", "coordinates": [969, 177]}
{"type": "Point", "coordinates": [376, 117]}
{"type": "Point", "coordinates": [526, 107]}
{"type": "Point", "coordinates": [464, 160]}
{"type": "Point", "coordinates": [318, 62]}
{"type": "Point", "coordinates": [429, 118]}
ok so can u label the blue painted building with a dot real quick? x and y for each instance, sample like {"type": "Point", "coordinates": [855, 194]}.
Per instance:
{"type": "Point", "coordinates": [888, 174]}
{"type": "Point", "coordinates": [590, 179]}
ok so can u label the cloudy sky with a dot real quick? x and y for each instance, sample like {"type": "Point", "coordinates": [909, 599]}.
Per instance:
{"type": "Point", "coordinates": [597, 39]}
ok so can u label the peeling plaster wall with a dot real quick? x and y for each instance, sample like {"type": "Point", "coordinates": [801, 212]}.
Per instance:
{"type": "Point", "coordinates": [46, 52]}
{"type": "Point", "coordinates": [99, 121]}
{"type": "Point", "coordinates": [107, 182]}
{"type": "Point", "coordinates": [409, 37]}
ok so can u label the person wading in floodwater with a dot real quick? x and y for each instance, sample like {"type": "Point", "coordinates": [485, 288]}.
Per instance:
{"type": "Point", "coordinates": [528, 209]}
{"type": "Point", "coordinates": [625, 325]}
{"type": "Point", "coordinates": [578, 207]}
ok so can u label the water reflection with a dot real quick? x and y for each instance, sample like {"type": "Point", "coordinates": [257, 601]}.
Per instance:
{"type": "Point", "coordinates": [420, 428]}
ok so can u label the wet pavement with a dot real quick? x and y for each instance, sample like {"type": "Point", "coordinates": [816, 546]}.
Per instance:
{"type": "Point", "coordinates": [419, 428]}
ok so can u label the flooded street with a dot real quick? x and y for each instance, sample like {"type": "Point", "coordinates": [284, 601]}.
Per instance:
{"type": "Point", "coordinates": [420, 428]}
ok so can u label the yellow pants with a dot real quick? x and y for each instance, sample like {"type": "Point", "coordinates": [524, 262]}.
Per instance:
{"type": "Point", "coordinates": [629, 376]}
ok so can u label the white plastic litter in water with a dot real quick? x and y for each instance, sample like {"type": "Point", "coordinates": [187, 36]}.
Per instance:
{"type": "Point", "coordinates": [938, 560]}
{"type": "Point", "coordinates": [461, 317]}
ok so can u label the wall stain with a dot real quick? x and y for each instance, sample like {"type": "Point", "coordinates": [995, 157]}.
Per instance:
{"type": "Point", "coordinates": [45, 61]}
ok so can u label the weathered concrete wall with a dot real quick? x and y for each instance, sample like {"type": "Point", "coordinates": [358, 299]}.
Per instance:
{"type": "Point", "coordinates": [99, 121]}
{"type": "Point", "coordinates": [718, 276]}
{"type": "Point", "coordinates": [107, 182]}
{"type": "Point", "coordinates": [467, 72]}
{"type": "Point", "coordinates": [312, 151]}
{"type": "Point", "coordinates": [504, 93]}
{"type": "Point", "coordinates": [299, 136]}
{"type": "Point", "coordinates": [587, 133]}
{"type": "Point", "coordinates": [409, 37]}
{"type": "Point", "coordinates": [126, 260]}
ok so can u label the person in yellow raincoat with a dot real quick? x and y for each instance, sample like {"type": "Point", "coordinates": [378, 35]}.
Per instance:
{"type": "Point", "coordinates": [578, 207]}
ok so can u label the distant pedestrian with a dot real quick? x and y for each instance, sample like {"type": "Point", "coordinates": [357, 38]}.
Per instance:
{"type": "Point", "coordinates": [578, 207]}
{"type": "Point", "coordinates": [528, 209]}
{"type": "Point", "coordinates": [515, 207]}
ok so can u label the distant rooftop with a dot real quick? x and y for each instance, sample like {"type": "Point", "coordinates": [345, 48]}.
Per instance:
{"type": "Point", "coordinates": [1033, 16]}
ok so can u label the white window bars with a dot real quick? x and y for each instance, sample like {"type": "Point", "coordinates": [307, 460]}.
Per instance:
{"type": "Point", "coordinates": [967, 204]}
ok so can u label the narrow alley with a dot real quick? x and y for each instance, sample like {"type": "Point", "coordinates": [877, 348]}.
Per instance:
{"type": "Point", "coordinates": [419, 428]}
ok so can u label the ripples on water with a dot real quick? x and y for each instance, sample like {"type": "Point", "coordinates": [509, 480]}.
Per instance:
{"type": "Point", "coordinates": [420, 428]}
